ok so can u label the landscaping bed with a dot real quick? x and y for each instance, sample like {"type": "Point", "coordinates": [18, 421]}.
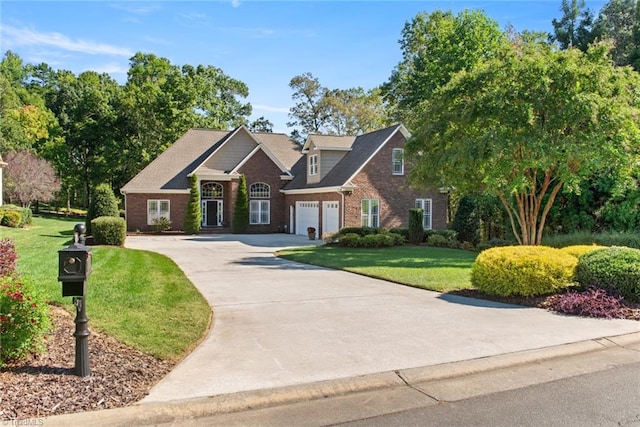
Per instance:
{"type": "Point", "coordinates": [46, 385]}
{"type": "Point", "coordinates": [630, 311]}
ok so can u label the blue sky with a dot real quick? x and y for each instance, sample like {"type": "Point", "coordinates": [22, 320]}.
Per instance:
{"type": "Point", "coordinates": [262, 43]}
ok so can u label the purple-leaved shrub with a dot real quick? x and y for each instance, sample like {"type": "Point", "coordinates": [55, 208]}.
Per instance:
{"type": "Point", "coordinates": [8, 256]}
{"type": "Point", "coordinates": [594, 302]}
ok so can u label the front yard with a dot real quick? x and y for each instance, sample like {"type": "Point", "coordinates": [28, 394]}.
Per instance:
{"type": "Point", "coordinates": [435, 269]}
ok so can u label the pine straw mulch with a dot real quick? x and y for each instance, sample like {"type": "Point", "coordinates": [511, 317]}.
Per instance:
{"type": "Point", "coordinates": [630, 311]}
{"type": "Point", "coordinates": [46, 384]}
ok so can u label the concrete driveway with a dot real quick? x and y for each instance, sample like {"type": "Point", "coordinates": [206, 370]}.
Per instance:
{"type": "Point", "coordinates": [280, 323]}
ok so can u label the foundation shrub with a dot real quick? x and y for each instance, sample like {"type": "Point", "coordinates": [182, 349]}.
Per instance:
{"type": "Point", "coordinates": [377, 241]}
{"type": "Point", "coordinates": [523, 270]}
{"type": "Point", "coordinates": [349, 240]}
{"type": "Point", "coordinates": [614, 269]}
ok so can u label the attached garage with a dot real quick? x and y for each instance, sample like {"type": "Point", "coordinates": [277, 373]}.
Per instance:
{"type": "Point", "coordinates": [307, 214]}
{"type": "Point", "coordinates": [330, 217]}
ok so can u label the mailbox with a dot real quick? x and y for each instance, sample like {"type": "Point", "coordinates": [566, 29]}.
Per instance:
{"type": "Point", "coordinates": [74, 269]}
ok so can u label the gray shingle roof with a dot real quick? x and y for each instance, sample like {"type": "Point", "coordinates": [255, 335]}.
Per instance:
{"type": "Point", "coordinates": [362, 149]}
{"type": "Point", "coordinates": [170, 170]}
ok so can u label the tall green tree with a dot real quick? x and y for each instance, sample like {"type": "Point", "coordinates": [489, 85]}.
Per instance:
{"type": "Point", "coordinates": [193, 216]}
{"type": "Point", "coordinates": [619, 21]}
{"type": "Point", "coordinates": [575, 28]}
{"type": "Point", "coordinates": [241, 212]}
{"type": "Point", "coordinates": [327, 111]}
{"type": "Point", "coordinates": [434, 47]}
{"type": "Point", "coordinates": [525, 124]}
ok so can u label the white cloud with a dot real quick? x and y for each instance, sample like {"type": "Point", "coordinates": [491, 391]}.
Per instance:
{"type": "Point", "coordinates": [136, 9]}
{"type": "Point", "coordinates": [235, 3]}
{"type": "Point", "coordinates": [28, 37]}
{"type": "Point", "coordinates": [269, 108]}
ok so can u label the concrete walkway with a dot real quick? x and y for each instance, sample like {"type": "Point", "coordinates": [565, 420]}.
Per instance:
{"type": "Point", "coordinates": [279, 323]}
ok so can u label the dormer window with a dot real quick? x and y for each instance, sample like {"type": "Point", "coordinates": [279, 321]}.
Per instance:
{"type": "Point", "coordinates": [397, 161]}
{"type": "Point", "coordinates": [313, 164]}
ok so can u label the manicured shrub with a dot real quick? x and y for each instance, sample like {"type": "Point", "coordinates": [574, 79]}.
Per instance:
{"type": "Point", "coordinates": [437, 240]}
{"type": "Point", "coordinates": [103, 203]}
{"type": "Point", "coordinates": [25, 214]}
{"type": "Point", "coordinates": [522, 270]}
{"type": "Point", "coordinates": [614, 269]}
{"type": "Point", "coordinates": [350, 240]}
{"type": "Point", "coordinates": [24, 320]}
{"type": "Point", "coordinates": [360, 231]}
{"type": "Point", "coordinates": [416, 230]}
{"type": "Point", "coordinates": [8, 256]}
{"type": "Point", "coordinates": [241, 213]}
{"type": "Point", "coordinates": [109, 230]}
{"type": "Point", "coordinates": [161, 224]}
{"type": "Point", "coordinates": [12, 219]}
{"type": "Point", "coordinates": [377, 241]}
{"type": "Point", "coordinates": [193, 219]}
{"type": "Point", "coordinates": [594, 302]}
{"type": "Point", "coordinates": [579, 250]}
{"type": "Point", "coordinates": [403, 231]}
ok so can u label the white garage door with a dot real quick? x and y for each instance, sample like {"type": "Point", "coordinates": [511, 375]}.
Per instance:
{"type": "Point", "coordinates": [330, 222]}
{"type": "Point", "coordinates": [306, 216]}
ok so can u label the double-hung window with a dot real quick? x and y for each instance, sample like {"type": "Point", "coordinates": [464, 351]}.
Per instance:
{"type": "Point", "coordinates": [157, 209]}
{"type": "Point", "coordinates": [397, 161]}
{"type": "Point", "coordinates": [370, 213]}
{"type": "Point", "coordinates": [313, 164]}
{"type": "Point", "coordinates": [259, 204]}
{"type": "Point", "coordinates": [425, 205]}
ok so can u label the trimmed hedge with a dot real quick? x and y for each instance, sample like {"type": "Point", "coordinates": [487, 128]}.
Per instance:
{"type": "Point", "coordinates": [382, 240]}
{"type": "Point", "coordinates": [109, 230]}
{"type": "Point", "coordinates": [11, 219]}
{"type": "Point", "coordinates": [614, 269]}
{"type": "Point", "coordinates": [523, 270]}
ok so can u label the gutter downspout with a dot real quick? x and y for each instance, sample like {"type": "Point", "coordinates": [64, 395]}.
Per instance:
{"type": "Point", "coordinates": [343, 210]}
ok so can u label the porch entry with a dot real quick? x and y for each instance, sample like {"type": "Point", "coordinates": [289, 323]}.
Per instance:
{"type": "Point", "coordinates": [212, 213]}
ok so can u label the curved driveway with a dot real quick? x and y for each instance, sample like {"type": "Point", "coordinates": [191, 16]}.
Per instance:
{"type": "Point", "coordinates": [279, 323]}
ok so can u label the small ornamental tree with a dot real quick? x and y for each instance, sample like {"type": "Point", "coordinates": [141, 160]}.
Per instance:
{"type": "Point", "coordinates": [29, 178]}
{"type": "Point", "coordinates": [103, 203]}
{"type": "Point", "coordinates": [466, 222]}
{"type": "Point", "coordinates": [241, 213]}
{"type": "Point", "coordinates": [193, 217]}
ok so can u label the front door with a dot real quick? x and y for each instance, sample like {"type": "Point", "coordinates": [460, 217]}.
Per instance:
{"type": "Point", "coordinates": [211, 213]}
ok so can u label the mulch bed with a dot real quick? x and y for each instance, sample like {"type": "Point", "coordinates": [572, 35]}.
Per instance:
{"type": "Point", "coordinates": [631, 311]}
{"type": "Point", "coordinates": [46, 385]}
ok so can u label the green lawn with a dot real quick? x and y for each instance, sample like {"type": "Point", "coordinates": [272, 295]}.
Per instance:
{"type": "Point", "coordinates": [141, 298]}
{"type": "Point", "coordinates": [436, 269]}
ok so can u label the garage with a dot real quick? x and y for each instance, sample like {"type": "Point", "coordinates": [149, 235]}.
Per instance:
{"type": "Point", "coordinates": [330, 217]}
{"type": "Point", "coordinates": [307, 214]}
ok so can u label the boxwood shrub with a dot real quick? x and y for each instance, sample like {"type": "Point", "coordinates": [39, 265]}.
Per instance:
{"type": "Point", "coordinates": [613, 269]}
{"type": "Point", "coordinates": [523, 270]}
{"type": "Point", "coordinates": [25, 215]}
{"type": "Point", "coordinates": [109, 230]}
{"type": "Point", "coordinates": [11, 219]}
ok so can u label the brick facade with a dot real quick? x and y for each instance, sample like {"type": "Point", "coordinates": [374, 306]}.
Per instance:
{"type": "Point", "coordinates": [136, 210]}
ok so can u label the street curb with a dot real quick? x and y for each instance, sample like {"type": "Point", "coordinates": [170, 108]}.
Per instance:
{"type": "Point", "coordinates": [167, 412]}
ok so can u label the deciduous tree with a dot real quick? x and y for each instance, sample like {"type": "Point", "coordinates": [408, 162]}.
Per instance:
{"type": "Point", "coordinates": [526, 123]}
{"type": "Point", "coordinates": [29, 178]}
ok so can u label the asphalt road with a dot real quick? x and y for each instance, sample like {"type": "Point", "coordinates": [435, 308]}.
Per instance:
{"type": "Point", "coordinates": [605, 398]}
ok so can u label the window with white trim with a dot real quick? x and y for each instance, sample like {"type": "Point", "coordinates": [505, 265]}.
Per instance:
{"type": "Point", "coordinates": [259, 210]}
{"type": "Point", "coordinates": [157, 209]}
{"type": "Point", "coordinates": [313, 164]}
{"type": "Point", "coordinates": [370, 213]}
{"type": "Point", "coordinates": [397, 161]}
{"type": "Point", "coordinates": [425, 205]}
{"type": "Point", "coordinates": [211, 190]}
{"type": "Point", "coordinates": [259, 190]}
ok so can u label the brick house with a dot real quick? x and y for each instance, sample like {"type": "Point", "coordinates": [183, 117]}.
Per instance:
{"type": "Point", "coordinates": [333, 182]}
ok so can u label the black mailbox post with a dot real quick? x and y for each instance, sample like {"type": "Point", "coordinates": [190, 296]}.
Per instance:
{"type": "Point", "coordinates": [74, 268]}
